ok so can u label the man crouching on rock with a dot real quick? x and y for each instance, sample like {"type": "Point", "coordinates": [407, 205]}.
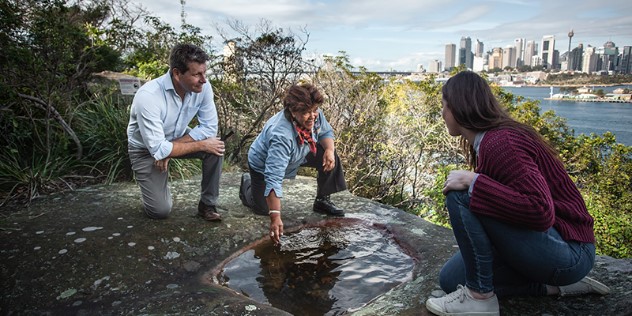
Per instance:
{"type": "Point", "coordinates": [158, 131]}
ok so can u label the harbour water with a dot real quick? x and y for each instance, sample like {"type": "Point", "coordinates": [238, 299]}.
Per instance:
{"type": "Point", "coordinates": [586, 117]}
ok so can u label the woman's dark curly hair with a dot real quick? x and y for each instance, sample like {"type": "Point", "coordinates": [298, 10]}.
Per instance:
{"type": "Point", "coordinates": [301, 98]}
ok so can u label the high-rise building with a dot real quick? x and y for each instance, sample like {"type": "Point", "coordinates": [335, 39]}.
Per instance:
{"type": "Point", "coordinates": [608, 57]}
{"type": "Point", "coordinates": [466, 56]}
{"type": "Point", "coordinates": [509, 57]}
{"type": "Point", "coordinates": [519, 44]}
{"type": "Point", "coordinates": [479, 49]}
{"type": "Point", "coordinates": [547, 52]}
{"type": "Point", "coordinates": [496, 59]}
{"type": "Point", "coordinates": [435, 66]}
{"type": "Point", "coordinates": [450, 56]}
{"type": "Point", "coordinates": [575, 58]}
{"type": "Point", "coordinates": [626, 60]}
{"type": "Point", "coordinates": [589, 62]}
{"type": "Point", "coordinates": [479, 64]}
{"type": "Point", "coordinates": [530, 50]}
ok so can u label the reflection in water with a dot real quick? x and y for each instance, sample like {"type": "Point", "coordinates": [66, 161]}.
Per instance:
{"type": "Point", "coordinates": [325, 270]}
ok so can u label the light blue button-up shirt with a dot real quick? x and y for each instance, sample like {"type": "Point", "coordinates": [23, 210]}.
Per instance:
{"type": "Point", "coordinates": [158, 116]}
{"type": "Point", "coordinates": [276, 153]}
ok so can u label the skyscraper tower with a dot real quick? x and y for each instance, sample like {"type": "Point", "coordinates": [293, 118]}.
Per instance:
{"type": "Point", "coordinates": [568, 56]}
{"type": "Point", "coordinates": [529, 52]}
{"type": "Point", "coordinates": [450, 55]}
{"type": "Point", "coordinates": [547, 51]}
{"type": "Point", "coordinates": [626, 60]}
{"type": "Point", "coordinates": [519, 44]}
{"type": "Point", "coordinates": [466, 57]}
{"type": "Point", "coordinates": [509, 57]}
{"type": "Point", "coordinates": [479, 49]}
{"type": "Point", "coordinates": [496, 59]}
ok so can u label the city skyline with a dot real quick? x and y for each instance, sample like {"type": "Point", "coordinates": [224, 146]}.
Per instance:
{"type": "Point", "coordinates": [607, 58]}
{"type": "Point", "coordinates": [403, 34]}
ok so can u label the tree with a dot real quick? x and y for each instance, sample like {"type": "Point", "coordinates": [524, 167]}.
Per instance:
{"type": "Point", "coordinates": [50, 50]}
{"type": "Point", "coordinates": [356, 114]}
{"type": "Point", "coordinates": [46, 58]}
{"type": "Point", "coordinates": [389, 134]}
{"type": "Point", "coordinates": [252, 77]}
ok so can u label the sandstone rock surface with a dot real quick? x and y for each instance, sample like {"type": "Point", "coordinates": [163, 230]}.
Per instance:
{"type": "Point", "coordinates": [93, 252]}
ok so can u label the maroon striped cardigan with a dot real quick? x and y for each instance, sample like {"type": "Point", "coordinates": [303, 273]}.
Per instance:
{"type": "Point", "coordinates": [522, 184]}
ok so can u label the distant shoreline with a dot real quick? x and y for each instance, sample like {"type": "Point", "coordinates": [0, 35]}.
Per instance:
{"type": "Point", "coordinates": [588, 100]}
{"type": "Point", "coordinates": [539, 85]}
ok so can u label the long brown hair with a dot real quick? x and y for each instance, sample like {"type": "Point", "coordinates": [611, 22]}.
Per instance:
{"type": "Point", "coordinates": [474, 106]}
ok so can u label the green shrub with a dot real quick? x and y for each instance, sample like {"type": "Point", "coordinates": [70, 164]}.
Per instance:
{"type": "Point", "coordinates": [102, 124]}
{"type": "Point", "coordinates": [26, 174]}
{"type": "Point", "coordinates": [613, 228]}
{"type": "Point", "coordinates": [34, 155]}
{"type": "Point", "coordinates": [434, 209]}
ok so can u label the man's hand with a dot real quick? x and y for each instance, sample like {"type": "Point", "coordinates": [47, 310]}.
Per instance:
{"type": "Point", "coordinates": [276, 228]}
{"type": "Point", "coordinates": [213, 145]}
{"type": "Point", "coordinates": [162, 164]}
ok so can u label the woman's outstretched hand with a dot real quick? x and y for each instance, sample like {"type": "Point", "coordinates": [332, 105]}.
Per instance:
{"type": "Point", "coordinates": [276, 228]}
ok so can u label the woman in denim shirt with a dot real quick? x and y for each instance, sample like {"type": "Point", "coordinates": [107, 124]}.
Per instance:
{"type": "Point", "coordinates": [299, 135]}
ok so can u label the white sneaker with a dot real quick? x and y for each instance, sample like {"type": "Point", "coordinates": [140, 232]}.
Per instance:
{"type": "Point", "coordinates": [584, 286]}
{"type": "Point", "coordinates": [461, 302]}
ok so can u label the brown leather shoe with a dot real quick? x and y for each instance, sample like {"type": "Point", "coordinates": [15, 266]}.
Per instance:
{"type": "Point", "coordinates": [208, 212]}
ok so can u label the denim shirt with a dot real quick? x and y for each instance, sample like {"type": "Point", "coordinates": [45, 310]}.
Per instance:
{"type": "Point", "coordinates": [158, 116]}
{"type": "Point", "coordinates": [276, 153]}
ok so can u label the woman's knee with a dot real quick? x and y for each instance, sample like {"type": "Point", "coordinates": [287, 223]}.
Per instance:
{"type": "Point", "coordinates": [457, 198]}
{"type": "Point", "coordinates": [456, 201]}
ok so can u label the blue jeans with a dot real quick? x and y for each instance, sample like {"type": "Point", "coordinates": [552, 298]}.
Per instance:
{"type": "Point", "coordinates": [507, 259]}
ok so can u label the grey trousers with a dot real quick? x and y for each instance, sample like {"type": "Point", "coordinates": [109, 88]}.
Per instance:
{"type": "Point", "coordinates": [153, 183]}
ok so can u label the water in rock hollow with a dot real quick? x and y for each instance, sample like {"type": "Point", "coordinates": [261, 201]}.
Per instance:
{"type": "Point", "coordinates": [324, 270]}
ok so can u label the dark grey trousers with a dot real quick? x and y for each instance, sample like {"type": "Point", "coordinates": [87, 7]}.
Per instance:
{"type": "Point", "coordinates": [154, 187]}
{"type": "Point", "coordinates": [328, 183]}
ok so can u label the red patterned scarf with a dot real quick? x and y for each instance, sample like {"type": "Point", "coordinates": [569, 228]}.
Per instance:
{"type": "Point", "coordinates": [305, 135]}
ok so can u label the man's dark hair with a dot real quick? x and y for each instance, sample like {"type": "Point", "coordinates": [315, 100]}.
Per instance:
{"type": "Point", "coordinates": [182, 54]}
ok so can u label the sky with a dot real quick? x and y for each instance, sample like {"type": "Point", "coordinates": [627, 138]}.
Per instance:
{"type": "Point", "coordinates": [400, 35]}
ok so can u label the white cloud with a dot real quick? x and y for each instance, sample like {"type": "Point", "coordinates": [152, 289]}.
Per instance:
{"type": "Point", "coordinates": [392, 33]}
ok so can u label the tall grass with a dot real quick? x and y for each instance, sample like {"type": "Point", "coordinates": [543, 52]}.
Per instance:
{"type": "Point", "coordinates": [102, 124]}
{"type": "Point", "coordinates": [27, 175]}
{"type": "Point", "coordinates": [33, 158]}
